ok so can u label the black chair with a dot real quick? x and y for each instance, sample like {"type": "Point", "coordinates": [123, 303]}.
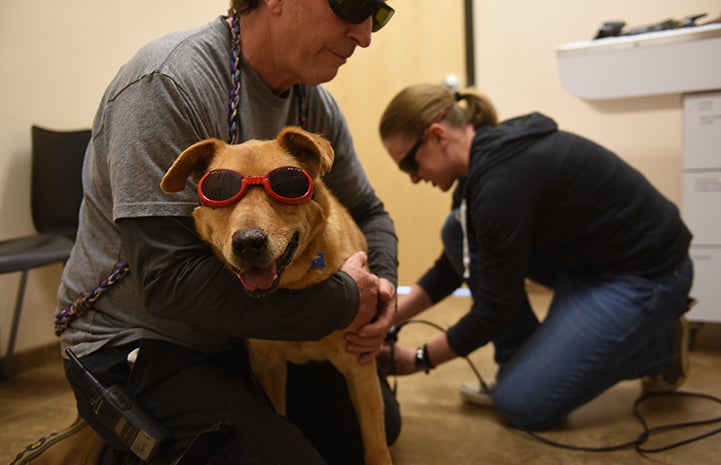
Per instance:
{"type": "Point", "coordinates": [56, 193]}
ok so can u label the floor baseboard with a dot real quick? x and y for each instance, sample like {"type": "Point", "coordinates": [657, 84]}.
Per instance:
{"type": "Point", "coordinates": [28, 359]}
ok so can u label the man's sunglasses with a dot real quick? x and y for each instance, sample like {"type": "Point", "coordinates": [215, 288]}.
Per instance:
{"type": "Point", "coordinates": [287, 184]}
{"type": "Point", "coordinates": [408, 163]}
{"type": "Point", "coordinates": [357, 11]}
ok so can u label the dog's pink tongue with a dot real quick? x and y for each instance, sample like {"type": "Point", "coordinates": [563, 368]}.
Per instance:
{"type": "Point", "coordinates": [258, 278]}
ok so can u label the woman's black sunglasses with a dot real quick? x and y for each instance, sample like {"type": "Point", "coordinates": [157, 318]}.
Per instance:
{"type": "Point", "coordinates": [357, 11]}
{"type": "Point", "coordinates": [408, 163]}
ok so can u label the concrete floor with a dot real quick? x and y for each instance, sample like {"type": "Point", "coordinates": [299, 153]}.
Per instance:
{"type": "Point", "coordinates": [438, 428]}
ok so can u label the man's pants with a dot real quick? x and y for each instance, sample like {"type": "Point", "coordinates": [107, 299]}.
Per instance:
{"type": "Point", "coordinates": [217, 413]}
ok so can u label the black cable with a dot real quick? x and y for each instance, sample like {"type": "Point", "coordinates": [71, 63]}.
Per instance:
{"type": "Point", "coordinates": [663, 428]}
{"type": "Point", "coordinates": [392, 339]}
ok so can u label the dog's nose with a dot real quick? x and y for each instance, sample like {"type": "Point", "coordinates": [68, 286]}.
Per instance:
{"type": "Point", "coordinates": [250, 243]}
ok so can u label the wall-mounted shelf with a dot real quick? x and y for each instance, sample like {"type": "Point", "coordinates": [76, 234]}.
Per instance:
{"type": "Point", "coordinates": [675, 61]}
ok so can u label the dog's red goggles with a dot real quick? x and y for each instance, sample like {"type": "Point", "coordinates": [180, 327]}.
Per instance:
{"type": "Point", "coordinates": [287, 184]}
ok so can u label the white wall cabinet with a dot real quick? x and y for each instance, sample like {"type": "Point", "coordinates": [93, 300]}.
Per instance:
{"type": "Point", "coordinates": [702, 198]}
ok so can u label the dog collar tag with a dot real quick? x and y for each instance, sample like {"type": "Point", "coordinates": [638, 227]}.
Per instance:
{"type": "Point", "coordinates": [318, 261]}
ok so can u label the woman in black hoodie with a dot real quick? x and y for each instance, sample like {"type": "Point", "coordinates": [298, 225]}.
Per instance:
{"type": "Point", "coordinates": [534, 202]}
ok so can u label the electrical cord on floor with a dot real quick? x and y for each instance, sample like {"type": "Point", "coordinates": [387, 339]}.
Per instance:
{"type": "Point", "coordinates": [392, 339]}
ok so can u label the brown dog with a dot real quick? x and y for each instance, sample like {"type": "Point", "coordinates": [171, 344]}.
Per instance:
{"type": "Point", "coordinates": [271, 237]}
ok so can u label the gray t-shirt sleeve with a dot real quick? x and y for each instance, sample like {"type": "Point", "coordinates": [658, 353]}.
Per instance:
{"type": "Point", "coordinates": [143, 144]}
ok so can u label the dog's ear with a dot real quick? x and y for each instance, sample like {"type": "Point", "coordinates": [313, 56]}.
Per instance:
{"type": "Point", "coordinates": [193, 161]}
{"type": "Point", "coordinates": [312, 150]}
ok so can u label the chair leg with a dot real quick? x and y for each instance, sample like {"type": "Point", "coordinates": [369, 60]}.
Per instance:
{"type": "Point", "coordinates": [15, 324]}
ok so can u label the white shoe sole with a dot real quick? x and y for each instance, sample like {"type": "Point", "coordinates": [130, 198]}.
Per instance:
{"type": "Point", "coordinates": [472, 393]}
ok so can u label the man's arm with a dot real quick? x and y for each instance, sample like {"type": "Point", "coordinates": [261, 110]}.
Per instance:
{"type": "Point", "coordinates": [180, 279]}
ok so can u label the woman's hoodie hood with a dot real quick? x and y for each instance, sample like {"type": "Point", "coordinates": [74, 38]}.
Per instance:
{"type": "Point", "coordinates": [494, 144]}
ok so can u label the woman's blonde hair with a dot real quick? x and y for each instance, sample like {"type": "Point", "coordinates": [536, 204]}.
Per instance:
{"type": "Point", "coordinates": [243, 6]}
{"type": "Point", "coordinates": [416, 106]}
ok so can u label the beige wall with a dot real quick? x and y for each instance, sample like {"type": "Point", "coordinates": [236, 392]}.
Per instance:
{"type": "Point", "coordinates": [415, 47]}
{"type": "Point", "coordinates": [58, 58]}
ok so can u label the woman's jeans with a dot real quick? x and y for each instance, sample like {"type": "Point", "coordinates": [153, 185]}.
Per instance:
{"type": "Point", "coordinates": [599, 330]}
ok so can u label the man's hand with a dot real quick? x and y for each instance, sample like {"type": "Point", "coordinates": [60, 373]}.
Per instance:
{"type": "Point", "coordinates": [377, 308]}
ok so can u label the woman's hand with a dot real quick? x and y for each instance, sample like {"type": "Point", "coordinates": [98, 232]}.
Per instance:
{"type": "Point", "coordinates": [403, 362]}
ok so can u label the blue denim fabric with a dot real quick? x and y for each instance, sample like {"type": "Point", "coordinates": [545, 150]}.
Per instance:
{"type": "Point", "coordinates": [599, 330]}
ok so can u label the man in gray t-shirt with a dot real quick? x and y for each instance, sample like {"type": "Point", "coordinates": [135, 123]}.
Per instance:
{"type": "Point", "coordinates": [241, 77]}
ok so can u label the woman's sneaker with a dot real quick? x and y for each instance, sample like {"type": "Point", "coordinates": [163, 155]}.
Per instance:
{"type": "Point", "coordinates": [473, 393]}
{"type": "Point", "coordinates": [674, 373]}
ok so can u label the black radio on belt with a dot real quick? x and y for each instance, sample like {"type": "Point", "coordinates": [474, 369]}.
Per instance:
{"type": "Point", "coordinates": [118, 415]}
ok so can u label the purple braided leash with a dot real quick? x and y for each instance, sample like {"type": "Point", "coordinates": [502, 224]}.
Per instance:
{"type": "Point", "coordinates": [233, 131]}
{"type": "Point", "coordinates": [82, 303]}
